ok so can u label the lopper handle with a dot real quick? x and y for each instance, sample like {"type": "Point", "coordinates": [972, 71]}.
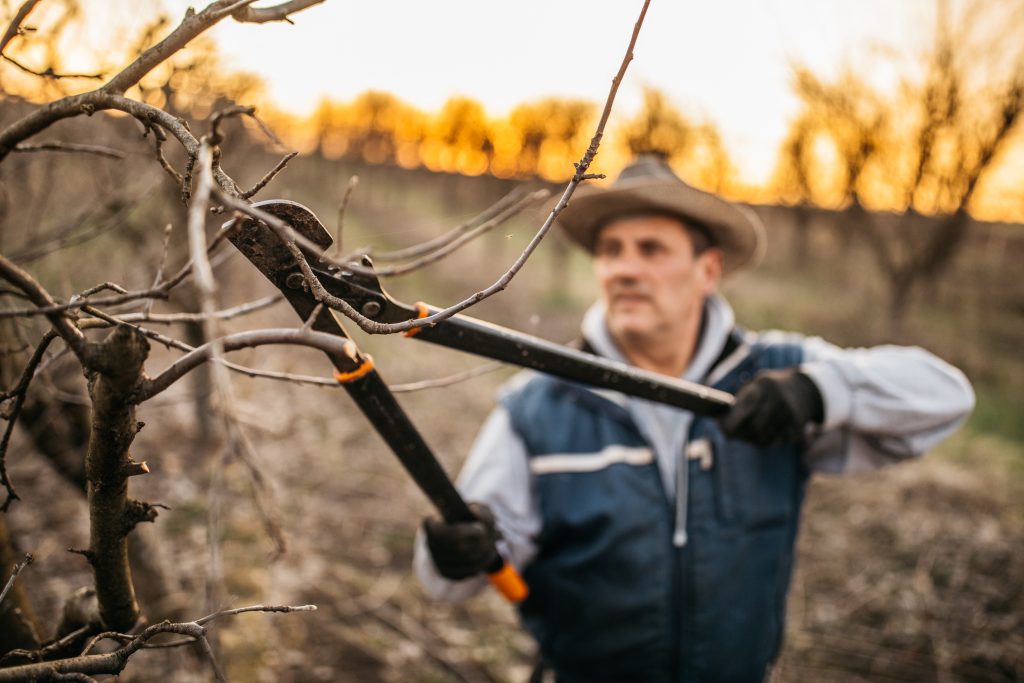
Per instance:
{"type": "Point", "coordinates": [507, 581]}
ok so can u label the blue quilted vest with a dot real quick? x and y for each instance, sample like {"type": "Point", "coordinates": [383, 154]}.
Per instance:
{"type": "Point", "coordinates": [611, 598]}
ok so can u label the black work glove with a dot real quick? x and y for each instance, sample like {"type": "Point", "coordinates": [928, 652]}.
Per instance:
{"type": "Point", "coordinates": [463, 549]}
{"type": "Point", "coordinates": [774, 408]}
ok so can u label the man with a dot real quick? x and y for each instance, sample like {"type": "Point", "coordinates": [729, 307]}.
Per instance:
{"type": "Point", "coordinates": [658, 544]}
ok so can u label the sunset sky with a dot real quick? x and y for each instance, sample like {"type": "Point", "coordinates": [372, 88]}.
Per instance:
{"type": "Point", "coordinates": [726, 61]}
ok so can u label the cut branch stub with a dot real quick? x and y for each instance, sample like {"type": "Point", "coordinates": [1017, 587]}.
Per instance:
{"type": "Point", "coordinates": [115, 373]}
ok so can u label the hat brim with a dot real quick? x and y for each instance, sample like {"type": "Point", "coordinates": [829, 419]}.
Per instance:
{"type": "Point", "coordinates": [736, 229]}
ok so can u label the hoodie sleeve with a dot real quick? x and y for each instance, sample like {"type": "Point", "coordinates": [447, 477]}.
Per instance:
{"type": "Point", "coordinates": [497, 473]}
{"type": "Point", "coordinates": [882, 404]}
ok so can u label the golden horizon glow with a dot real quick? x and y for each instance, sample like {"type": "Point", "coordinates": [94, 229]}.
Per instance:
{"type": "Point", "coordinates": [538, 137]}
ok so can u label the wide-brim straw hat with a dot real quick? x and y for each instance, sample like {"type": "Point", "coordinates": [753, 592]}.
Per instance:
{"type": "Point", "coordinates": [649, 186]}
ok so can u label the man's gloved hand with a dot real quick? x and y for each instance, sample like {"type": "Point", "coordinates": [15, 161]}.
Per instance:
{"type": "Point", "coordinates": [463, 549]}
{"type": "Point", "coordinates": [774, 408]}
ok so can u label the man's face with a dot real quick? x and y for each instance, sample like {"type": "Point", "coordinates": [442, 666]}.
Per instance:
{"type": "Point", "coordinates": [651, 281]}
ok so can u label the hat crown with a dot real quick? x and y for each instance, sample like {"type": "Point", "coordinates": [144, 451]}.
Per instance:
{"type": "Point", "coordinates": [649, 167]}
{"type": "Point", "coordinates": [648, 185]}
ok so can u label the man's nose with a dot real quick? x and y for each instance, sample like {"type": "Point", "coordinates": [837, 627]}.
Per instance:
{"type": "Point", "coordinates": [626, 266]}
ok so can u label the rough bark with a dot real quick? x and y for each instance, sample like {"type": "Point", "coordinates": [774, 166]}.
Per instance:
{"type": "Point", "coordinates": [60, 432]}
{"type": "Point", "coordinates": [108, 465]}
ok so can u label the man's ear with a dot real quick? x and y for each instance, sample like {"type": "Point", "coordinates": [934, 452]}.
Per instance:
{"type": "Point", "coordinates": [709, 269]}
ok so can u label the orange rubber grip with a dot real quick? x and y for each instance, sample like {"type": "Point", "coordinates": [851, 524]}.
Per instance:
{"type": "Point", "coordinates": [362, 371]}
{"type": "Point", "coordinates": [421, 312]}
{"type": "Point", "coordinates": [508, 582]}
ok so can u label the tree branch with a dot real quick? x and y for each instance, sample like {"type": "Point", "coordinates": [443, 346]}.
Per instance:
{"type": "Point", "coordinates": [431, 245]}
{"type": "Point", "coordinates": [328, 343]}
{"type": "Point", "coordinates": [104, 320]}
{"type": "Point", "coordinates": [114, 662]}
{"type": "Point", "coordinates": [18, 393]}
{"type": "Point", "coordinates": [260, 15]}
{"type": "Point", "coordinates": [14, 575]}
{"type": "Point", "coordinates": [339, 231]}
{"type": "Point", "coordinates": [271, 174]}
{"type": "Point", "coordinates": [454, 244]}
{"type": "Point", "coordinates": [49, 73]}
{"type": "Point", "coordinates": [190, 27]}
{"type": "Point", "coordinates": [14, 29]}
{"type": "Point", "coordinates": [446, 381]}
{"type": "Point", "coordinates": [110, 94]}
{"type": "Point", "coordinates": [71, 335]}
{"type": "Point", "coordinates": [160, 292]}
{"type": "Point", "coordinates": [69, 147]}
{"type": "Point", "coordinates": [225, 314]}
{"type": "Point", "coordinates": [118, 370]}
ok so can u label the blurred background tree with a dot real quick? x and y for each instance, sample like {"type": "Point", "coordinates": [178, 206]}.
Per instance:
{"type": "Point", "coordinates": [695, 150]}
{"type": "Point", "coordinates": [906, 165]}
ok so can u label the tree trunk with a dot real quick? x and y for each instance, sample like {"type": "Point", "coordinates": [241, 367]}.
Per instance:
{"type": "Point", "coordinates": [60, 433]}
{"type": "Point", "coordinates": [801, 235]}
{"type": "Point", "coordinates": [901, 283]}
{"type": "Point", "coordinates": [108, 465]}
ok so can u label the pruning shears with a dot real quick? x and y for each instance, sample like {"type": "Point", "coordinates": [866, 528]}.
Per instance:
{"type": "Point", "coordinates": [356, 371]}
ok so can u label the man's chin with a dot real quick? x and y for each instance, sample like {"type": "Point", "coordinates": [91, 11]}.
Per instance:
{"type": "Point", "coordinates": [628, 327]}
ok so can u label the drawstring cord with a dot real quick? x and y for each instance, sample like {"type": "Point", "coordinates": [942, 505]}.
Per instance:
{"type": "Point", "coordinates": [682, 470]}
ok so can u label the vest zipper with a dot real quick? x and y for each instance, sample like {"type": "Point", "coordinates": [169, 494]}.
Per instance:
{"type": "Point", "coordinates": [678, 573]}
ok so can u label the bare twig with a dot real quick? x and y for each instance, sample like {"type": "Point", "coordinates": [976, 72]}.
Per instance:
{"type": "Point", "coordinates": [216, 137]}
{"type": "Point", "coordinates": [202, 272]}
{"type": "Point", "coordinates": [307, 324]}
{"type": "Point", "coordinates": [73, 233]}
{"type": "Point", "coordinates": [261, 124]}
{"type": "Point", "coordinates": [207, 288]}
{"type": "Point", "coordinates": [446, 381]}
{"type": "Point", "coordinates": [20, 295]}
{"type": "Point", "coordinates": [438, 242]}
{"type": "Point", "coordinates": [48, 73]}
{"type": "Point", "coordinates": [55, 308]}
{"type": "Point", "coordinates": [352, 182]}
{"type": "Point", "coordinates": [225, 314]}
{"type": "Point", "coordinates": [263, 497]}
{"type": "Point", "coordinates": [42, 653]}
{"type": "Point", "coordinates": [72, 336]}
{"type": "Point", "coordinates": [27, 373]}
{"type": "Point", "coordinates": [159, 138]}
{"type": "Point", "coordinates": [160, 266]}
{"type": "Point", "coordinates": [455, 244]}
{"type": "Point", "coordinates": [275, 13]}
{"type": "Point", "coordinates": [160, 292]}
{"type": "Point", "coordinates": [131, 318]}
{"type": "Point", "coordinates": [69, 147]}
{"type": "Point", "coordinates": [414, 631]}
{"type": "Point", "coordinates": [115, 662]}
{"type": "Point", "coordinates": [233, 342]}
{"type": "Point", "coordinates": [27, 560]}
{"type": "Point", "coordinates": [281, 609]}
{"type": "Point", "coordinates": [73, 676]}
{"type": "Point", "coordinates": [18, 394]}
{"type": "Point", "coordinates": [269, 176]}
{"type": "Point", "coordinates": [14, 29]}
{"type": "Point", "coordinates": [101, 287]}
{"type": "Point", "coordinates": [204, 644]}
